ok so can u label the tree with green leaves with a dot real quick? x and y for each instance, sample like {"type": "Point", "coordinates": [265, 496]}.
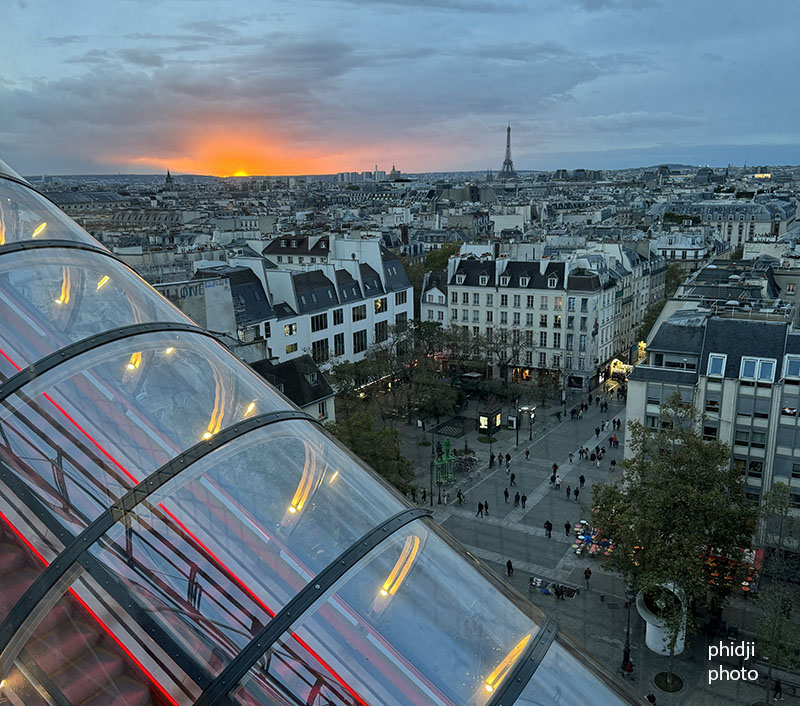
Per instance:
{"type": "Point", "coordinates": [378, 446]}
{"type": "Point", "coordinates": [678, 499]}
{"type": "Point", "coordinates": [673, 279]}
{"type": "Point", "coordinates": [649, 319]}
{"type": "Point", "coordinates": [778, 632]}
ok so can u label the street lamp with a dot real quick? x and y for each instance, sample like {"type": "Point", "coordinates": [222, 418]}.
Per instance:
{"type": "Point", "coordinates": [630, 594]}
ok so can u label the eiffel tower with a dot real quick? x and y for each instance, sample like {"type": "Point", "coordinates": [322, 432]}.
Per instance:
{"type": "Point", "coordinates": [507, 171]}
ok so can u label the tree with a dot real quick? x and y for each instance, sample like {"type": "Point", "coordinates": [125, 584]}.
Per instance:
{"type": "Point", "coordinates": [429, 394]}
{"type": "Point", "coordinates": [778, 633]}
{"type": "Point", "coordinates": [377, 446]}
{"type": "Point", "coordinates": [673, 279]}
{"type": "Point", "coordinates": [505, 349]}
{"type": "Point", "coordinates": [679, 497]}
{"type": "Point", "coordinates": [437, 259]}
{"type": "Point", "coordinates": [649, 319]}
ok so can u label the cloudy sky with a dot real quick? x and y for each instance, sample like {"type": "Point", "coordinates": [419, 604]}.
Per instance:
{"type": "Point", "coordinates": [320, 86]}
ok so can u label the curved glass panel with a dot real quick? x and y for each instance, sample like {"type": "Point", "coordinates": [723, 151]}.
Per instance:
{"type": "Point", "coordinates": [583, 685]}
{"type": "Point", "coordinates": [88, 652]}
{"type": "Point", "coordinates": [90, 429]}
{"type": "Point", "coordinates": [413, 622]}
{"type": "Point", "coordinates": [26, 215]}
{"type": "Point", "coordinates": [222, 547]}
{"type": "Point", "coordinates": [51, 298]}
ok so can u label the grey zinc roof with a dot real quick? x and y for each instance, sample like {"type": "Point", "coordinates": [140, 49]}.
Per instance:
{"type": "Point", "coordinates": [743, 337]}
{"type": "Point", "coordinates": [393, 273]}
{"type": "Point", "coordinates": [371, 280]}
{"type": "Point", "coordinates": [314, 291]}
{"type": "Point", "coordinates": [250, 303]}
{"type": "Point", "coordinates": [673, 376]}
{"type": "Point", "coordinates": [679, 335]}
{"type": "Point", "coordinates": [349, 288]}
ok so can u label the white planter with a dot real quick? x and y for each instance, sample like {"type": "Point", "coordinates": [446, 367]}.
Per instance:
{"type": "Point", "coordinates": [656, 636]}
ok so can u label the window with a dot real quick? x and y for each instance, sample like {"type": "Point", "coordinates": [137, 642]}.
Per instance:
{"type": "Point", "coordinates": [582, 364]}
{"type": "Point", "coordinates": [583, 323]}
{"type": "Point", "coordinates": [557, 321]}
{"type": "Point", "coordinates": [584, 305]}
{"type": "Point", "coordinates": [504, 300]}
{"type": "Point", "coordinates": [454, 297]}
{"type": "Point", "coordinates": [556, 340]}
{"type": "Point", "coordinates": [360, 341]}
{"type": "Point", "coordinates": [460, 279]}
{"type": "Point", "coordinates": [742, 436]}
{"type": "Point", "coordinates": [757, 369]}
{"type": "Point", "coordinates": [440, 315]}
{"type": "Point", "coordinates": [557, 361]}
{"type": "Point", "coordinates": [543, 339]}
{"type": "Point", "coordinates": [529, 319]}
{"type": "Point", "coordinates": [476, 316]}
{"type": "Point", "coordinates": [712, 405]}
{"type": "Point", "coordinates": [716, 365]}
{"type": "Point", "coordinates": [570, 322]}
{"type": "Point", "coordinates": [651, 421]}
{"type": "Point", "coordinates": [381, 305]}
{"type": "Point", "coordinates": [710, 433]}
{"type": "Point", "coordinates": [290, 329]}
{"type": "Point", "coordinates": [570, 341]}
{"type": "Point", "coordinates": [319, 350]}
{"type": "Point", "coordinates": [322, 410]}
{"type": "Point", "coordinates": [758, 439]}
{"type": "Point", "coordinates": [529, 303]}
{"type": "Point", "coordinates": [543, 301]}
{"type": "Point", "coordinates": [454, 314]}
{"type": "Point", "coordinates": [552, 282]}
{"type": "Point", "coordinates": [382, 331]}
{"type": "Point", "coordinates": [558, 303]}
{"type": "Point", "coordinates": [516, 318]}
{"type": "Point", "coordinates": [503, 317]}
{"type": "Point", "coordinates": [791, 367]}
{"type": "Point", "coordinates": [543, 320]}
{"type": "Point", "coordinates": [360, 312]}
{"type": "Point", "coordinates": [338, 317]}
{"type": "Point", "coordinates": [516, 301]}
{"type": "Point", "coordinates": [528, 358]}
{"type": "Point", "coordinates": [484, 280]}
{"type": "Point", "coordinates": [529, 338]}
{"type": "Point", "coordinates": [542, 360]}
{"type": "Point", "coordinates": [465, 314]}
{"type": "Point", "coordinates": [401, 298]}
{"type": "Point", "coordinates": [582, 342]}
{"type": "Point", "coordinates": [796, 470]}
{"type": "Point", "coordinates": [504, 280]}
{"type": "Point", "coordinates": [465, 297]}
{"type": "Point", "coordinates": [476, 299]}
{"type": "Point", "coordinates": [570, 303]}
{"type": "Point", "coordinates": [489, 300]}
{"type": "Point", "coordinates": [338, 344]}
{"type": "Point", "coordinates": [568, 362]}
{"type": "Point", "coordinates": [319, 322]}
{"type": "Point", "coordinates": [489, 317]}
{"type": "Point", "coordinates": [291, 348]}
{"type": "Point", "coordinates": [524, 281]}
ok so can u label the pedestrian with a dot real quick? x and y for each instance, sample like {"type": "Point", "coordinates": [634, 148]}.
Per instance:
{"type": "Point", "coordinates": [553, 479]}
{"type": "Point", "coordinates": [558, 482]}
{"type": "Point", "coordinates": [593, 457]}
{"type": "Point", "coordinates": [598, 460]}
{"type": "Point", "coordinates": [570, 457]}
{"type": "Point", "coordinates": [597, 432]}
{"type": "Point", "coordinates": [486, 507]}
{"type": "Point", "coordinates": [414, 495]}
{"type": "Point", "coordinates": [491, 459]}
{"type": "Point", "coordinates": [627, 669]}
{"type": "Point", "coordinates": [508, 464]}
{"type": "Point", "coordinates": [480, 510]}
{"type": "Point", "coordinates": [548, 528]}
{"type": "Point", "coordinates": [613, 465]}
{"type": "Point", "coordinates": [505, 494]}
{"type": "Point", "coordinates": [508, 459]}
{"type": "Point", "coordinates": [567, 528]}
{"type": "Point", "coordinates": [576, 494]}
{"type": "Point", "coordinates": [524, 500]}
{"type": "Point", "coordinates": [516, 499]}
{"type": "Point", "coordinates": [424, 495]}
{"type": "Point", "coordinates": [778, 693]}
{"type": "Point", "coordinates": [513, 479]}
{"type": "Point", "coordinates": [527, 453]}
{"type": "Point", "coordinates": [569, 492]}
{"type": "Point", "coordinates": [555, 467]}
{"type": "Point", "coordinates": [587, 575]}
{"type": "Point", "coordinates": [581, 480]}
{"type": "Point", "coordinates": [509, 568]}
{"type": "Point", "coordinates": [460, 497]}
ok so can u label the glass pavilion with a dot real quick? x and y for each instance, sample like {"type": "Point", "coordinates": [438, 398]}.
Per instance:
{"type": "Point", "coordinates": [174, 531]}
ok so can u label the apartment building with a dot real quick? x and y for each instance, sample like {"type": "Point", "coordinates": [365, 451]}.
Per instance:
{"type": "Point", "coordinates": [741, 371]}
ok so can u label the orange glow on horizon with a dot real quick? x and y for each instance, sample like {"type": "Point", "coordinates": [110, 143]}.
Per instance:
{"type": "Point", "coordinates": [218, 151]}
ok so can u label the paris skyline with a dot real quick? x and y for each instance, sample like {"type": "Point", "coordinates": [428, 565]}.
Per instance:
{"type": "Point", "coordinates": [216, 87]}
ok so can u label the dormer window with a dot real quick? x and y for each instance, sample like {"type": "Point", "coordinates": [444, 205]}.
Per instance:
{"type": "Point", "coordinates": [552, 282]}
{"type": "Point", "coordinates": [294, 243]}
{"type": "Point", "coordinates": [283, 243]}
{"type": "Point", "coordinates": [460, 279]}
{"type": "Point", "coordinates": [716, 365]}
{"type": "Point", "coordinates": [311, 378]}
{"type": "Point", "coordinates": [504, 280]}
{"type": "Point", "coordinates": [484, 280]}
{"type": "Point", "coordinates": [524, 281]}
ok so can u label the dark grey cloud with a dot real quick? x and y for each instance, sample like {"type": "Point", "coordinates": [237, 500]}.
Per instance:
{"type": "Point", "coordinates": [476, 6]}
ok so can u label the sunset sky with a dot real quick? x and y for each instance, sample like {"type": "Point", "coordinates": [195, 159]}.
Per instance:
{"type": "Point", "coordinates": [321, 86]}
